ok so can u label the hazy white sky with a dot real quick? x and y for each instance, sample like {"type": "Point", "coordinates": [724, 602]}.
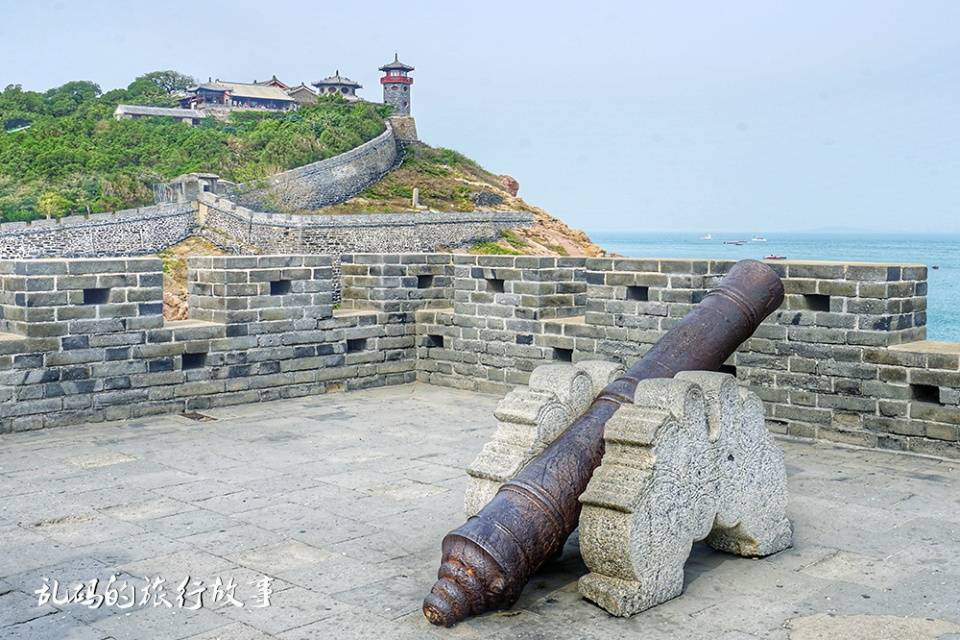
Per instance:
{"type": "Point", "coordinates": [752, 115]}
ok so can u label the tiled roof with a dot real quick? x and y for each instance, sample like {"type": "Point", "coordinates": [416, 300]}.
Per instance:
{"type": "Point", "coordinates": [396, 64]}
{"type": "Point", "coordinates": [244, 90]}
{"type": "Point", "coordinates": [338, 80]}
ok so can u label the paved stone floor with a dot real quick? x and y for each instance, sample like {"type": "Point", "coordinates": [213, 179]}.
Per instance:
{"type": "Point", "coordinates": [343, 499]}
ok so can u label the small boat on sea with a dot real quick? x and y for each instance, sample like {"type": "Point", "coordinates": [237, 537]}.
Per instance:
{"type": "Point", "coordinates": [775, 257]}
{"type": "Point", "coordinates": [707, 237]}
{"type": "Point", "coordinates": [758, 239]}
{"type": "Point", "coordinates": [736, 242]}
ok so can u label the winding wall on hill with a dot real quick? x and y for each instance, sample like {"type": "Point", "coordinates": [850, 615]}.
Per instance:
{"type": "Point", "coordinates": [330, 181]}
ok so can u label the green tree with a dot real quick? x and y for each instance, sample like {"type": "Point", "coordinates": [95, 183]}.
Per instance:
{"type": "Point", "coordinates": [164, 81]}
{"type": "Point", "coordinates": [53, 205]}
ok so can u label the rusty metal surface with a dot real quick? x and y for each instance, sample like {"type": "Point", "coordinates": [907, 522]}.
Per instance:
{"type": "Point", "coordinates": [487, 561]}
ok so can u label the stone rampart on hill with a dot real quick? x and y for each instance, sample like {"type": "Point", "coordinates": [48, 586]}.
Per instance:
{"type": "Point", "coordinates": [843, 360]}
{"type": "Point", "coordinates": [329, 181]}
{"type": "Point", "coordinates": [121, 233]}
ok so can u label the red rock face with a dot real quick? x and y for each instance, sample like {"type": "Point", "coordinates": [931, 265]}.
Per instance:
{"type": "Point", "coordinates": [510, 184]}
{"type": "Point", "coordinates": [174, 307]}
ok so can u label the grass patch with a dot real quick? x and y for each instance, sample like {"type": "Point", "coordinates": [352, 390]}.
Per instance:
{"type": "Point", "coordinates": [557, 249]}
{"type": "Point", "coordinates": [513, 239]}
{"type": "Point", "coordinates": [492, 249]}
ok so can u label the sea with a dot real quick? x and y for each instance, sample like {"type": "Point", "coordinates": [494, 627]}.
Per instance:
{"type": "Point", "coordinates": [941, 251]}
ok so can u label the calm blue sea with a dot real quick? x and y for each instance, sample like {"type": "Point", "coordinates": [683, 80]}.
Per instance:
{"type": "Point", "coordinates": [943, 304]}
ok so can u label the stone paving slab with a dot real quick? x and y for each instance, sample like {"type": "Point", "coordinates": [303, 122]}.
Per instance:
{"type": "Point", "coordinates": [342, 501]}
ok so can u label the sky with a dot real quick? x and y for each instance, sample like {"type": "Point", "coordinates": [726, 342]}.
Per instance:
{"type": "Point", "coordinates": [752, 115]}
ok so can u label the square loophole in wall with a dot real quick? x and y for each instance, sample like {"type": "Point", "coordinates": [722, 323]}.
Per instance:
{"type": "Point", "coordinates": [424, 281]}
{"type": "Point", "coordinates": [925, 393]}
{"type": "Point", "coordinates": [562, 355]}
{"type": "Point", "coordinates": [355, 345]}
{"type": "Point", "coordinates": [728, 368]}
{"type": "Point", "coordinates": [433, 340]}
{"type": "Point", "coordinates": [815, 302]}
{"type": "Point", "coordinates": [96, 296]}
{"type": "Point", "coordinates": [279, 287]}
{"type": "Point", "coordinates": [638, 293]}
{"type": "Point", "coordinates": [193, 361]}
{"type": "Point", "coordinates": [494, 285]}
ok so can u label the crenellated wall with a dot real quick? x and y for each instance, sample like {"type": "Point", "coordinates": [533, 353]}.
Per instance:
{"type": "Point", "coordinates": [843, 360]}
{"type": "Point", "coordinates": [85, 339]}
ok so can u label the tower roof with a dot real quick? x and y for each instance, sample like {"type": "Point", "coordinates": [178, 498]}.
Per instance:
{"type": "Point", "coordinates": [396, 64]}
{"type": "Point", "coordinates": [337, 79]}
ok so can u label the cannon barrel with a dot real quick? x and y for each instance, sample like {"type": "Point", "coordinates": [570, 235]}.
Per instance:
{"type": "Point", "coordinates": [487, 561]}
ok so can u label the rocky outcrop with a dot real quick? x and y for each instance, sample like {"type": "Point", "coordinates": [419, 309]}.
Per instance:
{"type": "Point", "coordinates": [510, 184]}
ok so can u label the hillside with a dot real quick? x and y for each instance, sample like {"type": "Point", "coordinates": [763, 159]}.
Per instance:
{"type": "Point", "coordinates": [449, 181]}
{"type": "Point", "coordinates": [63, 153]}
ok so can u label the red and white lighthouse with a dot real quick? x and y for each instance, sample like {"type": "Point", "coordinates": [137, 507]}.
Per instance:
{"type": "Point", "coordinates": [396, 83]}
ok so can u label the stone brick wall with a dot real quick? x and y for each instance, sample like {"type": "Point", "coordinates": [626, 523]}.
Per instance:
{"type": "Point", "coordinates": [221, 218]}
{"type": "Point", "coordinates": [843, 360]}
{"type": "Point", "coordinates": [328, 181]}
{"type": "Point", "coordinates": [85, 340]}
{"type": "Point", "coordinates": [121, 233]}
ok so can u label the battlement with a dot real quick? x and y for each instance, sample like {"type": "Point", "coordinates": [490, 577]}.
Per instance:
{"type": "Point", "coordinates": [843, 360]}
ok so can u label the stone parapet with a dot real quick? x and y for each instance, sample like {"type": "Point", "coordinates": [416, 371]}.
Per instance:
{"type": "Point", "coordinates": [843, 360]}
{"type": "Point", "coordinates": [85, 341]}
{"type": "Point", "coordinates": [337, 234]}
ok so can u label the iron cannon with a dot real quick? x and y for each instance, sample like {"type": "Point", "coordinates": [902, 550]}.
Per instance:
{"type": "Point", "coordinates": [487, 561]}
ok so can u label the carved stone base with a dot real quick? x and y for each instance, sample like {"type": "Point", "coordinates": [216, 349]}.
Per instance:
{"type": "Point", "coordinates": [690, 460]}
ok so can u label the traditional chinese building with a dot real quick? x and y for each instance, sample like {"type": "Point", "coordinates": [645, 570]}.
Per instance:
{"type": "Point", "coordinates": [338, 84]}
{"type": "Point", "coordinates": [302, 94]}
{"type": "Point", "coordinates": [396, 85]}
{"type": "Point", "coordinates": [238, 95]}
